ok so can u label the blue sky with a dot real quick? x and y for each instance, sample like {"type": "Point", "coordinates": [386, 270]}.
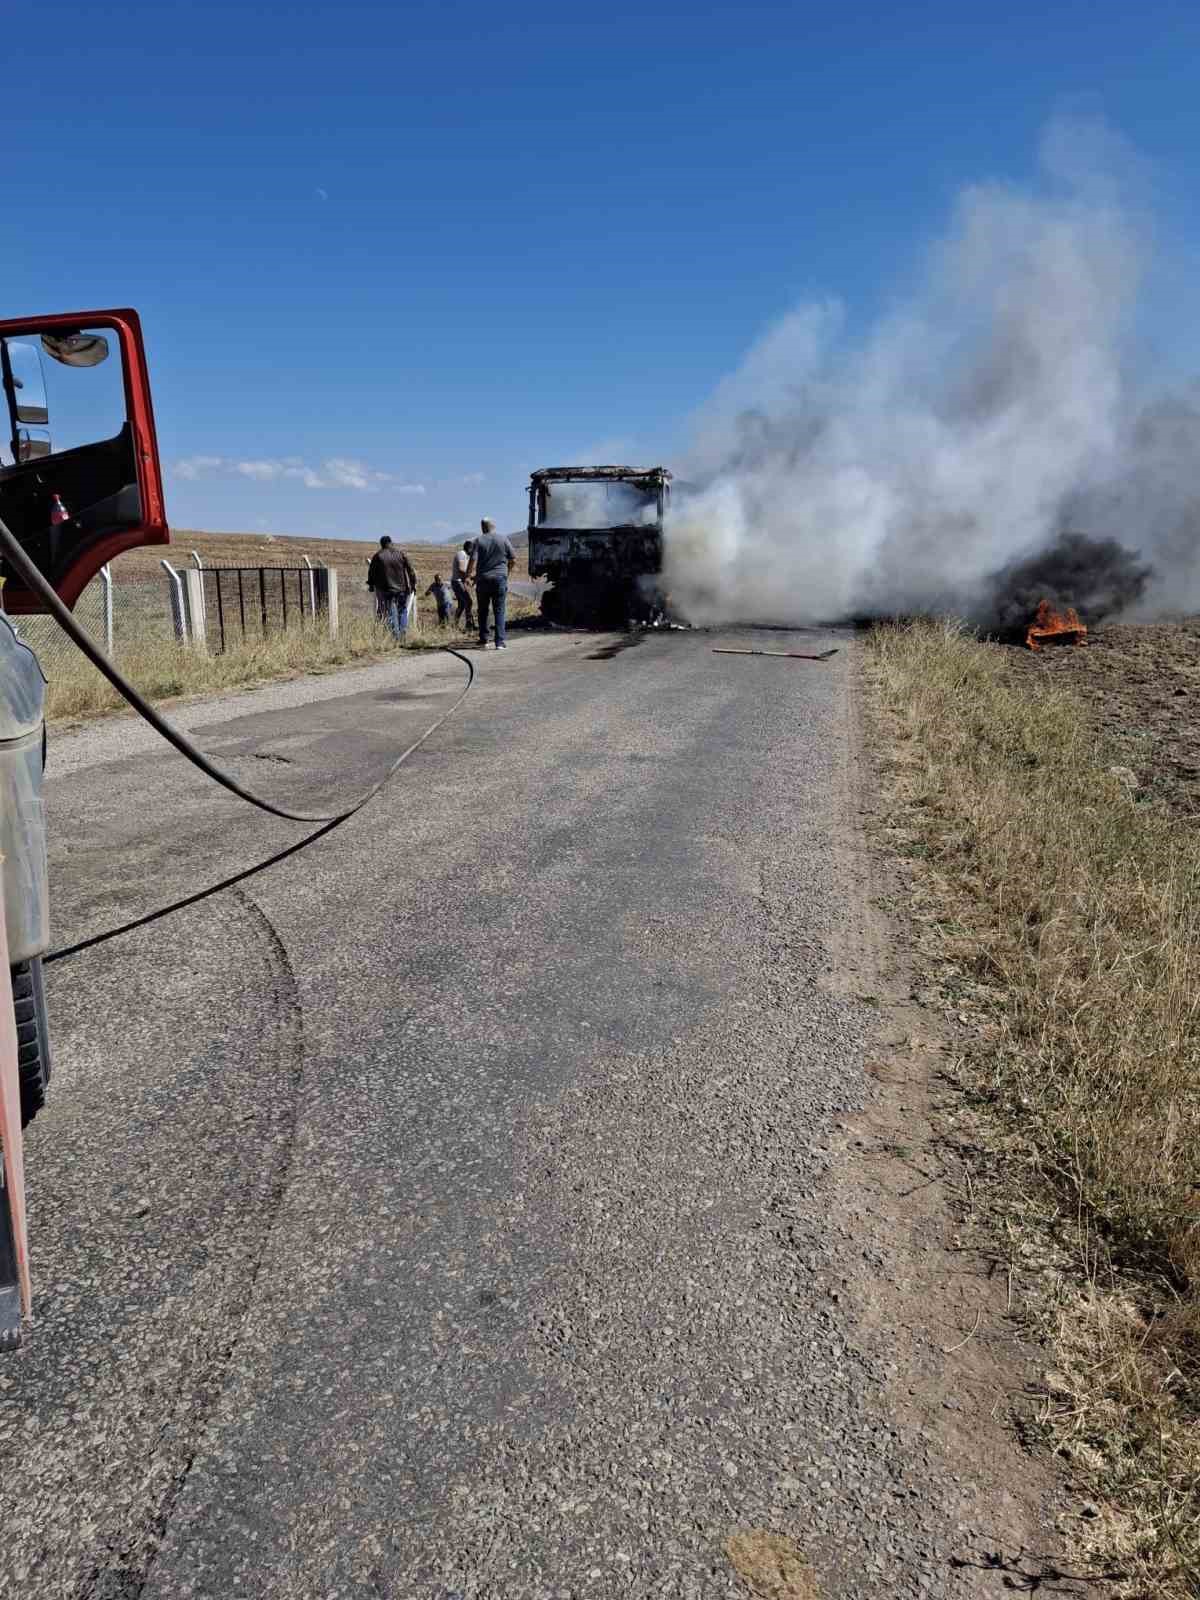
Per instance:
{"type": "Point", "coordinates": [389, 257]}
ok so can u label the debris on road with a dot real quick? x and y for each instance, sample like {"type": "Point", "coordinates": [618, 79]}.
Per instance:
{"type": "Point", "coordinates": [789, 655]}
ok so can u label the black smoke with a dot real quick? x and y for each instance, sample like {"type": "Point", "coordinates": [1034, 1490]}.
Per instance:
{"type": "Point", "coordinates": [1099, 577]}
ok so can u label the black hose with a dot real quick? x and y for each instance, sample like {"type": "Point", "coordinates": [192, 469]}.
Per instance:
{"type": "Point", "coordinates": [193, 899]}
{"type": "Point", "coordinates": [20, 563]}
{"type": "Point", "coordinates": [24, 568]}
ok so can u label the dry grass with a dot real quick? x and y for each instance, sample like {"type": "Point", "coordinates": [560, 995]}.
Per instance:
{"type": "Point", "coordinates": [772, 1566]}
{"type": "Point", "coordinates": [1073, 913]}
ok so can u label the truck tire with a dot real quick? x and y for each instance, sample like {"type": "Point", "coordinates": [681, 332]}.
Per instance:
{"type": "Point", "coordinates": [33, 1037]}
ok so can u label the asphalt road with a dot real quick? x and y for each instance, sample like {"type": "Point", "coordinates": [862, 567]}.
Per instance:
{"type": "Point", "coordinates": [442, 1212]}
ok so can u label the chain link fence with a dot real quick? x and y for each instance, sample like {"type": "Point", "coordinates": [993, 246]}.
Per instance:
{"type": "Point", "coordinates": [119, 609]}
{"type": "Point", "coordinates": [94, 610]}
{"type": "Point", "coordinates": [124, 607]}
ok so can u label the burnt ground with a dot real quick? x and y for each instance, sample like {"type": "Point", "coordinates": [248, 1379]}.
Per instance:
{"type": "Point", "coordinates": [1142, 684]}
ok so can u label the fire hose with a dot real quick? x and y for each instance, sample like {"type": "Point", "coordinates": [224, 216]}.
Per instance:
{"type": "Point", "coordinates": [20, 563]}
{"type": "Point", "coordinates": [25, 569]}
{"type": "Point", "coordinates": [12, 1180]}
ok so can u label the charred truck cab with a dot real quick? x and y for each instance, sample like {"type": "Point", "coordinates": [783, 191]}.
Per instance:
{"type": "Point", "coordinates": [80, 482]}
{"type": "Point", "coordinates": [597, 534]}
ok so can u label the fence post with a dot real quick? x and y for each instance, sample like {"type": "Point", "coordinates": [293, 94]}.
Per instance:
{"type": "Point", "coordinates": [107, 580]}
{"type": "Point", "coordinates": [178, 604]}
{"type": "Point", "coordinates": [196, 558]}
{"type": "Point", "coordinates": [193, 588]}
{"type": "Point", "coordinates": [326, 580]}
{"type": "Point", "coordinates": [312, 585]}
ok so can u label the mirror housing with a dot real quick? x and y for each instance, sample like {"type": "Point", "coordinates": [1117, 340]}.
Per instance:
{"type": "Point", "coordinates": [33, 444]}
{"type": "Point", "coordinates": [75, 349]}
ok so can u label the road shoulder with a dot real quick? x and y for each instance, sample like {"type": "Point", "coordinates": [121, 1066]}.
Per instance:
{"type": "Point", "coordinates": [935, 1307]}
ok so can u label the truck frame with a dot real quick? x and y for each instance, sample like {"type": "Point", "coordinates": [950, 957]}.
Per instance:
{"type": "Point", "coordinates": [597, 534]}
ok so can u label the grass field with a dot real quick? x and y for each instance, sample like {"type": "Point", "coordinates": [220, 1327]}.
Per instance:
{"type": "Point", "coordinates": [147, 653]}
{"type": "Point", "coordinates": [348, 556]}
{"type": "Point", "coordinates": [1058, 907]}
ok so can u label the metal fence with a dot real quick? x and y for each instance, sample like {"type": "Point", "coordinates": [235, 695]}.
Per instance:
{"type": "Point", "coordinates": [214, 609]}
{"type": "Point", "coordinates": [95, 611]}
{"type": "Point", "coordinates": [253, 602]}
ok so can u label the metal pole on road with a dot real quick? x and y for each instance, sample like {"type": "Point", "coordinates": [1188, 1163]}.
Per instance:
{"type": "Point", "coordinates": [15, 1296]}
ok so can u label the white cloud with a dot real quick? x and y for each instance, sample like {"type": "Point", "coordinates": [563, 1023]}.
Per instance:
{"type": "Point", "coordinates": [305, 475]}
{"type": "Point", "coordinates": [338, 472]}
{"type": "Point", "coordinates": [193, 467]}
{"type": "Point", "coordinates": [321, 194]}
{"type": "Point", "coordinates": [472, 480]}
{"type": "Point", "coordinates": [345, 473]}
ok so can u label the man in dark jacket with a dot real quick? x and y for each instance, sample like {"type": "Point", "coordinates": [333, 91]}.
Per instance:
{"type": "Point", "coordinates": [392, 578]}
{"type": "Point", "coordinates": [492, 560]}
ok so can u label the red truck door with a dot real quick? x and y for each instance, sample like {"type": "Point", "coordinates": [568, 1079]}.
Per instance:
{"type": "Point", "coordinates": [80, 479]}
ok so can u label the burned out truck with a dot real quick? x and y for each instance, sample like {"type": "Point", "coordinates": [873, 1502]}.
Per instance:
{"type": "Point", "coordinates": [597, 534]}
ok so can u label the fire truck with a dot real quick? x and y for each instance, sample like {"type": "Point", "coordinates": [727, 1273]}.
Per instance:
{"type": "Point", "coordinates": [80, 482]}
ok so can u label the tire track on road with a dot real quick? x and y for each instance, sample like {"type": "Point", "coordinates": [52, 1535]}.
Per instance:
{"type": "Point", "coordinates": [289, 1023]}
{"type": "Point", "coordinates": [144, 1299]}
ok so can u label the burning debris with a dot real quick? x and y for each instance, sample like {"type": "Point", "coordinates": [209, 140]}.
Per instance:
{"type": "Point", "coordinates": [1057, 627]}
{"type": "Point", "coordinates": [1076, 576]}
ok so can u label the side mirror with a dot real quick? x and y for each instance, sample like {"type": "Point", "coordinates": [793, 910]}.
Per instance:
{"type": "Point", "coordinates": [28, 383]}
{"type": "Point", "coordinates": [33, 444]}
{"type": "Point", "coordinates": [76, 349]}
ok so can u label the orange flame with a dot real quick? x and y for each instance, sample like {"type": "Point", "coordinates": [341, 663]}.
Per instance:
{"type": "Point", "coordinates": [1063, 627]}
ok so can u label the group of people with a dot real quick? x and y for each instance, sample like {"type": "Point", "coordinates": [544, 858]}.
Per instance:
{"type": "Point", "coordinates": [484, 562]}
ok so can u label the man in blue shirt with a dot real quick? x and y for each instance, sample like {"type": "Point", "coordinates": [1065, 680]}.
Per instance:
{"type": "Point", "coordinates": [492, 560]}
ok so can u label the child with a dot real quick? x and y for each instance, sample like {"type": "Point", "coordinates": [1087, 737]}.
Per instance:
{"type": "Point", "coordinates": [441, 595]}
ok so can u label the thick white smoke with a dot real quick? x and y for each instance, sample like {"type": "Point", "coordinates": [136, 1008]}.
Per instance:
{"type": "Point", "coordinates": [995, 408]}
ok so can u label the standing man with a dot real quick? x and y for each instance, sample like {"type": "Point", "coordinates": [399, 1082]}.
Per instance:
{"type": "Point", "coordinates": [491, 562]}
{"type": "Point", "coordinates": [465, 615]}
{"type": "Point", "coordinates": [392, 578]}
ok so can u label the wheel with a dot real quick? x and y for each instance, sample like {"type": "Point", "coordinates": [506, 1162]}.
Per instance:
{"type": "Point", "coordinates": [33, 1037]}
